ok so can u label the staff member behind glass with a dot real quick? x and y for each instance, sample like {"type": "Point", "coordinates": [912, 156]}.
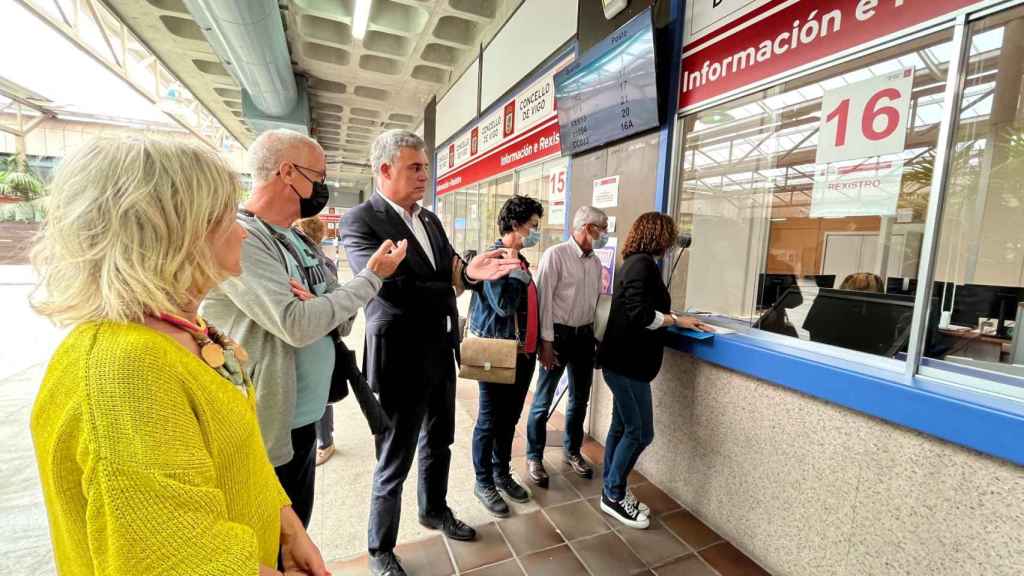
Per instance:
{"type": "Point", "coordinates": [150, 455]}
{"type": "Point", "coordinates": [630, 356]}
{"type": "Point", "coordinates": [569, 281]}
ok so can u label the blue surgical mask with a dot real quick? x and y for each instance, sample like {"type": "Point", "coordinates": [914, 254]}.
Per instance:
{"type": "Point", "coordinates": [531, 239]}
{"type": "Point", "coordinates": [601, 241]}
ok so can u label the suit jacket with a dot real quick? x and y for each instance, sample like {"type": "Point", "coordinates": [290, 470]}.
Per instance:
{"type": "Point", "coordinates": [415, 306]}
{"type": "Point", "coordinates": [629, 347]}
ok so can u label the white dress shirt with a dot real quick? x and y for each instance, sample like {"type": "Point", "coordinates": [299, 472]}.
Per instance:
{"type": "Point", "coordinates": [415, 226]}
{"type": "Point", "coordinates": [568, 283]}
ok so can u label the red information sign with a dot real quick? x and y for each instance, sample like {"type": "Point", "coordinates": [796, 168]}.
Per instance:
{"type": "Point", "coordinates": [784, 34]}
{"type": "Point", "coordinates": [533, 145]}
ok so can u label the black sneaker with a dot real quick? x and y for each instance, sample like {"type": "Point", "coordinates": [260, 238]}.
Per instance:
{"type": "Point", "coordinates": [491, 500]}
{"type": "Point", "coordinates": [511, 489]}
{"type": "Point", "coordinates": [643, 508]}
{"type": "Point", "coordinates": [451, 526]}
{"type": "Point", "coordinates": [625, 512]}
{"type": "Point", "coordinates": [386, 564]}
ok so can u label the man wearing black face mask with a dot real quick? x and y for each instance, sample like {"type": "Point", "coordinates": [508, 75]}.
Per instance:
{"type": "Point", "coordinates": [287, 302]}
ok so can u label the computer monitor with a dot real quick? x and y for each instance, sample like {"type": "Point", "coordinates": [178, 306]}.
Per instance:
{"type": "Point", "coordinates": [865, 321]}
{"type": "Point", "coordinates": [974, 301]}
{"type": "Point", "coordinates": [824, 280]}
{"type": "Point", "coordinates": [770, 287]}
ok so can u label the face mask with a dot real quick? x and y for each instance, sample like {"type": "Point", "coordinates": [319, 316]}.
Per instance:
{"type": "Point", "coordinates": [309, 207]}
{"type": "Point", "coordinates": [601, 241]}
{"type": "Point", "coordinates": [531, 239]}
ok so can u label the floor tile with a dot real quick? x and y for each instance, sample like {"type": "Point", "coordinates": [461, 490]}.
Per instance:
{"type": "Point", "coordinates": [586, 487]}
{"type": "Point", "coordinates": [729, 561]}
{"type": "Point", "coordinates": [559, 491]}
{"type": "Point", "coordinates": [529, 533]}
{"type": "Point", "coordinates": [635, 478]}
{"type": "Point", "coordinates": [488, 548]}
{"type": "Point", "coordinates": [519, 446]}
{"type": "Point", "coordinates": [659, 502]}
{"type": "Point", "coordinates": [425, 557]}
{"type": "Point", "coordinates": [690, 565]}
{"type": "Point", "coordinates": [558, 561]}
{"type": "Point", "coordinates": [353, 567]}
{"type": "Point", "coordinates": [654, 545]}
{"type": "Point", "coordinates": [690, 530]}
{"type": "Point", "coordinates": [592, 450]}
{"type": "Point", "coordinates": [607, 555]}
{"type": "Point", "coordinates": [506, 568]}
{"type": "Point", "coordinates": [577, 520]}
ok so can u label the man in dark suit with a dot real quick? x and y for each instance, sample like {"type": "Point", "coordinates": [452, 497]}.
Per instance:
{"type": "Point", "coordinates": [412, 341]}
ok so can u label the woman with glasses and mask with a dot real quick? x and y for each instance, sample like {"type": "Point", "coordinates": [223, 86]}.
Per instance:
{"type": "Point", "coordinates": [630, 356]}
{"type": "Point", "coordinates": [506, 308]}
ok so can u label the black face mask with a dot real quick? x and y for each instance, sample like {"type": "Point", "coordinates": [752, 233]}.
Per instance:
{"type": "Point", "coordinates": [309, 207]}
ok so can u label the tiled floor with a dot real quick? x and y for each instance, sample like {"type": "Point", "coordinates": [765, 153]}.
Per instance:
{"type": "Point", "coordinates": [569, 535]}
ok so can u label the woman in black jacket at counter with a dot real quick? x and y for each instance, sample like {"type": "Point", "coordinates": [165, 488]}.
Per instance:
{"type": "Point", "coordinates": [630, 356]}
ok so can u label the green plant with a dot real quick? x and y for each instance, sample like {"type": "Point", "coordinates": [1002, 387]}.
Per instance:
{"type": "Point", "coordinates": [18, 181]}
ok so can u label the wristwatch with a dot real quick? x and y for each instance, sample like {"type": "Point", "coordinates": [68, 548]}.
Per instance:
{"type": "Point", "coordinates": [675, 319]}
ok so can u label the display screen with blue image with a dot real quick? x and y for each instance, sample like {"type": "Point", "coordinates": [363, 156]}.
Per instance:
{"type": "Point", "coordinates": [611, 92]}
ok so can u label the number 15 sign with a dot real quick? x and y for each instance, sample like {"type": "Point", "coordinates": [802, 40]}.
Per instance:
{"type": "Point", "coordinates": [868, 118]}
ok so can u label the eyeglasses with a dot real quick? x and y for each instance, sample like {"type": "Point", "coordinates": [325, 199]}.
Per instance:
{"type": "Point", "coordinates": [323, 175]}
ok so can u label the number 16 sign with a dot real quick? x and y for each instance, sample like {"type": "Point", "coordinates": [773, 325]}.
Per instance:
{"type": "Point", "coordinates": [868, 118]}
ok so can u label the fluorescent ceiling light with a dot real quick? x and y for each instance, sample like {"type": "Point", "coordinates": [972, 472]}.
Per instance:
{"type": "Point", "coordinates": [361, 18]}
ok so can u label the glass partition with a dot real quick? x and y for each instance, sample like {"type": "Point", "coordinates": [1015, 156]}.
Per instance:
{"type": "Point", "coordinates": [807, 201]}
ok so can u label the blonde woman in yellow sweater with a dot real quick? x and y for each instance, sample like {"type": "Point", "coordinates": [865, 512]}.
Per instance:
{"type": "Point", "coordinates": [145, 427]}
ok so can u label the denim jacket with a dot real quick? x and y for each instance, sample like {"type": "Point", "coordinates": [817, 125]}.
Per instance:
{"type": "Point", "coordinates": [491, 308]}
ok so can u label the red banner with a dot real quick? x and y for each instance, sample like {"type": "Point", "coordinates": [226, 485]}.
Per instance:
{"type": "Point", "coordinates": [801, 33]}
{"type": "Point", "coordinates": [534, 145]}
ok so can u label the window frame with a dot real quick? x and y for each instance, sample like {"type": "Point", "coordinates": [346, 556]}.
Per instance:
{"type": "Point", "coordinates": [914, 369]}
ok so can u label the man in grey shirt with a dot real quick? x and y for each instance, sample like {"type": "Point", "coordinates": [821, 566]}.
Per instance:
{"type": "Point", "coordinates": [568, 282]}
{"type": "Point", "coordinates": [287, 338]}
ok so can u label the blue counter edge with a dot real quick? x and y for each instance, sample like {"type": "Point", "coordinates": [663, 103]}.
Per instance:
{"type": "Point", "coordinates": [983, 422]}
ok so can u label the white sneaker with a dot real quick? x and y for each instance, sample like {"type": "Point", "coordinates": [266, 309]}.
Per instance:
{"type": "Point", "coordinates": [625, 512]}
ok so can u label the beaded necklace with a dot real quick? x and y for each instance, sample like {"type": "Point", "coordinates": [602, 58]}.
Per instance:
{"type": "Point", "coordinates": [219, 351]}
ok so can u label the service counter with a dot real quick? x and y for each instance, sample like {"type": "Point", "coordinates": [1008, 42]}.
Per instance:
{"type": "Point", "coordinates": [795, 458]}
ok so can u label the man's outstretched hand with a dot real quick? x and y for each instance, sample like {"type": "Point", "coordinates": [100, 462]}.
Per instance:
{"type": "Point", "coordinates": [492, 265]}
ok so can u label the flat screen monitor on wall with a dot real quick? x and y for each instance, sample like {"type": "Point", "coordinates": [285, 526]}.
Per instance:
{"type": "Point", "coordinates": [611, 92]}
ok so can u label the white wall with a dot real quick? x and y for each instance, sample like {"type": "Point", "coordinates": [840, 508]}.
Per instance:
{"type": "Point", "coordinates": [536, 30]}
{"type": "Point", "coordinates": [458, 106]}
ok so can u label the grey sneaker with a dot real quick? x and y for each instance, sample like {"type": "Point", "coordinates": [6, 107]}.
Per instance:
{"type": "Point", "coordinates": [511, 489]}
{"type": "Point", "coordinates": [386, 564]}
{"type": "Point", "coordinates": [492, 501]}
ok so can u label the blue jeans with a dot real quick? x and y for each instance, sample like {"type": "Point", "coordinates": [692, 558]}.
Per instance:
{"type": "Point", "coordinates": [575, 351]}
{"type": "Point", "coordinates": [500, 408]}
{"type": "Point", "coordinates": [631, 431]}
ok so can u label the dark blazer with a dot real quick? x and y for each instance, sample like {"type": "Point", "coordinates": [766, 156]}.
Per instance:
{"type": "Point", "coordinates": [629, 348]}
{"type": "Point", "coordinates": [414, 306]}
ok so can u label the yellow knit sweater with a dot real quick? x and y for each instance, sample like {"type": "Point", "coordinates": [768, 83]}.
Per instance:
{"type": "Point", "coordinates": [151, 463]}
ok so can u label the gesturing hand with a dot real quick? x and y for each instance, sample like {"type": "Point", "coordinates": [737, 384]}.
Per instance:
{"type": "Point", "coordinates": [492, 265]}
{"type": "Point", "coordinates": [386, 259]}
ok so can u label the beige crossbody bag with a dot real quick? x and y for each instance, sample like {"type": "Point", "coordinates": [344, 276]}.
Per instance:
{"type": "Point", "coordinates": [489, 359]}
